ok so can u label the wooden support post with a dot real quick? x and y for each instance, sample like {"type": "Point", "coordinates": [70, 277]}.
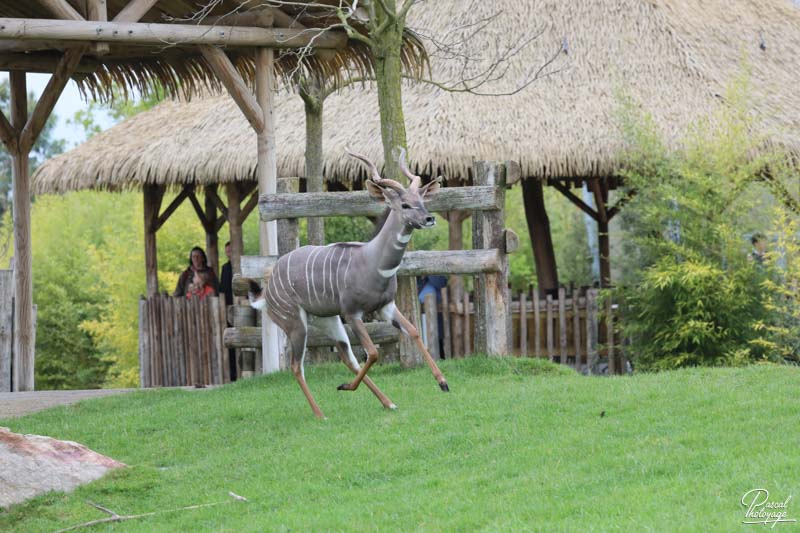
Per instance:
{"type": "Point", "coordinates": [267, 184]}
{"type": "Point", "coordinates": [210, 226]}
{"type": "Point", "coordinates": [540, 234]}
{"type": "Point", "coordinates": [236, 237]}
{"type": "Point", "coordinates": [288, 229]}
{"type": "Point", "coordinates": [492, 305]}
{"type": "Point", "coordinates": [152, 196]}
{"type": "Point", "coordinates": [23, 363]}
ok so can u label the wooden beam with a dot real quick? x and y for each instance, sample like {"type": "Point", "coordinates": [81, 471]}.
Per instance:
{"type": "Point", "coordinates": [135, 10]}
{"type": "Point", "coordinates": [212, 193]}
{"type": "Point", "coordinates": [44, 63]}
{"type": "Point", "coordinates": [49, 97]}
{"type": "Point", "coordinates": [61, 9]}
{"type": "Point", "coordinates": [563, 189]}
{"type": "Point", "coordinates": [257, 18]}
{"type": "Point", "coordinates": [174, 204]}
{"type": "Point", "coordinates": [97, 10]}
{"type": "Point", "coordinates": [598, 199]}
{"type": "Point", "coordinates": [360, 203]}
{"type": "Point", "coordinates": [162, 35]}
{"type": "Point", "coordinates": [198, 209]}
{"type": "Point", "coordinates": [233, 82]}
{"type": "Point", "coordinates": [8, 135]}
{"type": "Point", "coordinates": [251, 204]}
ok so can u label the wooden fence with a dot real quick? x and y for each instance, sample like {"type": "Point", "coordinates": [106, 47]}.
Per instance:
{"type": "Point", "coordinates": [180, 341]}
{"type": "Point", "coordinates": [570, 329]}
{"type": "Point", "coordinates": [487, 261]}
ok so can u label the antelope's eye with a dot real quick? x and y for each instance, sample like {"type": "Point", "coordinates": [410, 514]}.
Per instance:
{"type": "Point", "coordinates": [405, 206]}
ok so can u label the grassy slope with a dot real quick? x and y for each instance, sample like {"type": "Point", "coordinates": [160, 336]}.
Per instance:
{"type": "Point", "coordinates": [517, 444]}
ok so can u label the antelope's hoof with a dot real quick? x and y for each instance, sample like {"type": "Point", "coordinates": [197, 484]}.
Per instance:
{"type": "Point", "coordinates": [391, 407]}
{"type": "Point", "coordinates": [444, 387]}
{"type": "Point", "coordinates": [344, 386]}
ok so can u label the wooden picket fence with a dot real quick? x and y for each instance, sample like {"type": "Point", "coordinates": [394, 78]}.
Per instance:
{"type": "Point", "coordinates": [180, 341]}
{"type": "Point", "coordinates": [569, 329]}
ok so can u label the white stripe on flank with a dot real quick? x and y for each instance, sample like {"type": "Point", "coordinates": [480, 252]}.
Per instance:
{"type": "Point", "coordinates": [347, 268]}
{"type": "Point", "coordinates": [289, 279]}
{"type": "Point", "coordinates": [314, 283]}
{"type": "Point", "coordinates": [388, 273]}
{"type": "Point", "coordinates": [338, 270]}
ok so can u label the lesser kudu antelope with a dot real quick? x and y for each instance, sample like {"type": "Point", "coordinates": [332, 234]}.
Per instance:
{"type": "Point", "coordinates": [350, 280]}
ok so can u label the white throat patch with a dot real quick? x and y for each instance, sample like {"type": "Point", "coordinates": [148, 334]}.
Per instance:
{"type": "Point", "coordinates": [403, 238]}
{"type": "Point", "coordinates": [388, 273]}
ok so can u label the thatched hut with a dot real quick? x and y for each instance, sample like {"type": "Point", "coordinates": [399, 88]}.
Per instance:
{"type": "Point", "coordinates": [675, 57]}
{"type": "Point", "coordinates": [169, 45]}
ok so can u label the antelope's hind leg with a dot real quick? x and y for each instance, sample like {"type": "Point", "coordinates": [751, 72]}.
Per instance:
{"type": "Point", "coordinates": [335, 329]}
{"type": "Point", "coordinates": [297, 331]}
{"type": "Point", "coordinates": [372, 352]}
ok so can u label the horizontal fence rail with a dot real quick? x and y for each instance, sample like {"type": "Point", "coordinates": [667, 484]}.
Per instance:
{"type": "Point", "coordinates": [418, 263]}
{"type": "Point", "coordinates": [360, 203]}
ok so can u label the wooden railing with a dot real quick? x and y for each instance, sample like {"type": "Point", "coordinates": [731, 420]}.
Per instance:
{"type": "Point", "coordinates": [180, 341]}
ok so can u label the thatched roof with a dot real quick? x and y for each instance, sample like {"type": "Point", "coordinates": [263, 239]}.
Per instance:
{"type": "Point", "coordinates": [674, 56]}
{"type": "Point", "coordinates": [179, 69]}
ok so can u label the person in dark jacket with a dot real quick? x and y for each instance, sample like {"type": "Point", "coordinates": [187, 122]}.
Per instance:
{"type": "Point", "coordinates": [226, 277]}
{"type": "Point", "coordinates": [226, 288]}
{"type": "Point", "coordinates": [197, 263]}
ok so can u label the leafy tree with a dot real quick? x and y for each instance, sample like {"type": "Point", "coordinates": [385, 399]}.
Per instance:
{"type": "Point", "coordinates": [691, 295]}
{"type": "Point", "coordinates": [45, 147]}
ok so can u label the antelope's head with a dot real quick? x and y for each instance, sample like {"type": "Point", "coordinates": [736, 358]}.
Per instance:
{"type": "Point", "coordinates": [408, 203]}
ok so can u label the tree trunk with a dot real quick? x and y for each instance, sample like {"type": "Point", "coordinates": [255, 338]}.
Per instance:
{"type": "Point", "coordinates": [311, 94]}
{"type": "Point", "coordinates": [541, 239]}
{"type": "Point", "coordinates": [390, 101]}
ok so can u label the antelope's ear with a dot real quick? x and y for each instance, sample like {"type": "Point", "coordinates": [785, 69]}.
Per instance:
{"type": "Point", "coordinates": [430, 187]}
{"type": "Point", "coordinates": [374, 190]}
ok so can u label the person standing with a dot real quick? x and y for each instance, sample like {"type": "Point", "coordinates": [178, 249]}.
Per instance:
{"type": "Point", "coordinates": [197, 263]}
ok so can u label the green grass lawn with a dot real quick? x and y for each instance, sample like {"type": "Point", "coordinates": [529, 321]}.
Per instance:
{"type": "Point", "coordinates": [518, 444]}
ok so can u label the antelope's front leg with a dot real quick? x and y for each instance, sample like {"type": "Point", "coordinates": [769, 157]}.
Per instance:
{"type": "Point", "coordinates": [391, 313]}
{"type": "Point", "coordinates": [372, 352]}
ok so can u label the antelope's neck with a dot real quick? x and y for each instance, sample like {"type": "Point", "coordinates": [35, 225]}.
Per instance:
{"type": "Point", "coordinates": [386, 249]}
